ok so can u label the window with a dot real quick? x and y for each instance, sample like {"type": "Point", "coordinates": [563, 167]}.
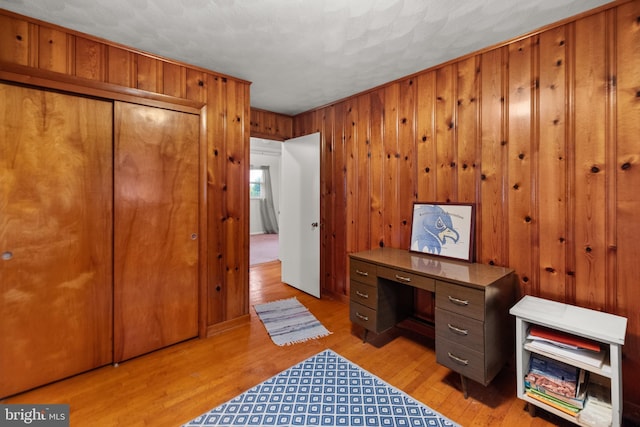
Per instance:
{"type": "Point", "coordinates": [256, 184]}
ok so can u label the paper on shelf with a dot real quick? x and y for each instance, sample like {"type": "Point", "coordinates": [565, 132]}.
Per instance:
{"type": "Point", "coordinates": [588, 357]}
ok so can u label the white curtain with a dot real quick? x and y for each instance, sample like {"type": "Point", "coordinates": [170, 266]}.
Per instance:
{"type": "Point", "coordinates": [267, 210]}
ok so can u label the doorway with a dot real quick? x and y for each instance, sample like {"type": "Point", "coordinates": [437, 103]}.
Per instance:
{"type": "Point", "coordinates": [265, 161]}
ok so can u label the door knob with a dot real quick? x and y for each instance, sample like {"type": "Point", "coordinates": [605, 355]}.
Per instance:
{"type": "Point", "coordinates": [314, 224]}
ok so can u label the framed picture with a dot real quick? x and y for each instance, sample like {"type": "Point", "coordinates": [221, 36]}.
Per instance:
{"type": "Point", "coordinates": [443, 229]}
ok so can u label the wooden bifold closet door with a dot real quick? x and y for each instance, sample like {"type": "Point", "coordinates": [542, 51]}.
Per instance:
{"type": "Point", "coordinates": [55, 236]}
{"type": "Point", "coordinates": [99, 225]}
{"type": "Point", "coordinates": [156, 199]}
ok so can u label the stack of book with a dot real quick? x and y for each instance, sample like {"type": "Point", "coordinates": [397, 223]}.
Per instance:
{"type": "Point", "coordinates": [562, 385]}
{"type": "Point", "coordinates": [556, 384]}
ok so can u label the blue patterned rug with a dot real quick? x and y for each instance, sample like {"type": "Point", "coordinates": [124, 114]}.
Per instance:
{"type": "Point", "coordinates": [324, 390]}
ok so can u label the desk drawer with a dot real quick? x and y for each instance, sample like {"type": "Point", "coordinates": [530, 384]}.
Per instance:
{"type": "Point", "coordinates": [362, 271]}
{"type": "Point", "coordinates": [410, 279]}
{"type": "Point", "coordinates": [363, 316]}
{"type": "Point", "coordinates": [461, 359]}
{"type": "Point", "coordinates": [460, 299]}
{"type": "Point", "coordinates": [364, 294]}
{"type": "Point", "coordinates": [460, 329]}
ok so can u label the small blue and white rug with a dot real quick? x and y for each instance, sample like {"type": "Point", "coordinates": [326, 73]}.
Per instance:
{"type": "Point", "coordinates": [289, 322]}
{"type": "Point", "coordinates": [324, 390]}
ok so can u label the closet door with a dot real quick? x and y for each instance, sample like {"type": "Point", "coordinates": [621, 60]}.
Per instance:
{"type": "Point", "coordinates": [55, 236]}
{"type": "Point", "coordinates": [156, 163]}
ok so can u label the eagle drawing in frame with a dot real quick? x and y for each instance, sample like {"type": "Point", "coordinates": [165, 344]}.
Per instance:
{"type": "Point", "coordinates": [442, 230]}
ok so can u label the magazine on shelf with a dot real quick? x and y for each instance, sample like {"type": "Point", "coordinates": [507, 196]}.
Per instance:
{"type": "Point", "coordinates": [552, 375]}
{"type": "Point", "coordinates": [576, 402]}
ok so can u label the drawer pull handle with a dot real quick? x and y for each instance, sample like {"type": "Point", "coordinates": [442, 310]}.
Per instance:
{"type": "Point", "coordinates": [403, 279]}
{"type": "Point", "coordinates": [457, 359]}
{"type": "Point", "coordinates": [360, 316]}
{"type": "Point", "coordinates": [362, 273]}
{"type": "Point", "coordinates": [458, 330]}
{"type": "Point", "coordinates": [361, 295]}
{"type": "Point", "coordinates": [458, 301]}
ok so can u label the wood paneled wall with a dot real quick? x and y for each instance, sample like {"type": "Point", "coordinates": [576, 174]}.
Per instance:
{"type": "Point", "coordinates": [31, 48]}
{"type": "Point", "coordinates": [269, 125]}
{"type": "Point", "coordinates": [540, 132]}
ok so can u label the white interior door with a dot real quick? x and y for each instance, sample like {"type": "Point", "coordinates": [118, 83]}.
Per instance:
{"type": "Point", "coordinates": [300, 213]}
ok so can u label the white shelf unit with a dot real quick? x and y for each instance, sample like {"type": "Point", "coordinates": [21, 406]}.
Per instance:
{"type": "Point", "coordinates": [608, 329]}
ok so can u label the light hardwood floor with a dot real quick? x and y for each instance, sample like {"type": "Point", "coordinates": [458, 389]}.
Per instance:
{"type": "Point", "coordinates": [171, 386]}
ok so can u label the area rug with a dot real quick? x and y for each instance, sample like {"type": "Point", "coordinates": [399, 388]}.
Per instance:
{"type": "Point", "coordinates": [289, 322]}
{"type": "Point", "coordinates": [324, 390]}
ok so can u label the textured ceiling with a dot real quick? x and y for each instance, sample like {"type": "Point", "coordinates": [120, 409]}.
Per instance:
{"type": "Point", "coordinates": [301, 54]}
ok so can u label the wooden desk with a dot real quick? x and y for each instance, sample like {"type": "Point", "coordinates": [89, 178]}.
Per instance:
{"type": "Point", "coordinates": [473, 330]}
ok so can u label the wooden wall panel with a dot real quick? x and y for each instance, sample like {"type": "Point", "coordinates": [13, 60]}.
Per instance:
{"type": "Point", "coordinates": [406, 162]}
{"type": "Point", "coordinates": [338, 196]}
{"type": "Point", "coordinates": [543, 134]}
{"type": "Point", "coordinates": [15, 39]}
{"type": "Point", "coordinates": [216, 207]}
{"type": "Point", "coordinates": [492, 211]}
{"type": "Point", "coordinates": [551, 177]}
{"type": "Point", "coordinates": [274, 126]}
{"type": "Point", "coordinates": [325, 119]}
{"type": "Point", "coordinates": [121, 67]}
{"type": "Point", "coordinates": [391, 217]}
{"type": "Point", "coordinates": [590, 108]}
{"type": "Point", "coordinates": [236, 227]}
{"type": "Point", "coordinates": [54, 50]}
{"type": "Point", "coordinates": [466, 127]}
{"type": "Point", "coordinates": [90, 59]}
{"type": "Point", "coordinates": [521, 149]}
{"type": "Point", "coordinates": [362, 211]}
{"type": "Point", "coordinates": [376, 177]}
{"type": "Point", "coordinates": [627, 182]}
{"type": "Point", "coordinates": [174, 80]}
{"type": "Point", "coordinates": [426, 141]}
{"type": "Point", "coordinates": [196, 85]}
{"type": "Point", "coordinates": [446, 182]}
{"type": "Point", "coordinates": [350, 149]}
{"type": "Point", "coordinates": [149, 74]}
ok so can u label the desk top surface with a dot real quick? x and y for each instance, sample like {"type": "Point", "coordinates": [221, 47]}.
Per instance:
{"type": "Point", "coordinates": [480, 275]}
